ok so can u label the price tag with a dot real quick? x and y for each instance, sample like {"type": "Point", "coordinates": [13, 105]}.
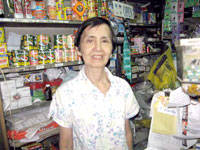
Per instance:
{"type": "Point", "coordinates": [40, 67]}
{"type": "Point", "coordinates": [59, 65]}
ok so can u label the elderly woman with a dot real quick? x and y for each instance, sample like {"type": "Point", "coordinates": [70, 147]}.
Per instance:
{"type": "Point", "coordinates": [93, 109]}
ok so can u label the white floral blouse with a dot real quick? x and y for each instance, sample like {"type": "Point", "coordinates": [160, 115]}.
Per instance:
{"type": "Point", "coordinates": [98, 121]}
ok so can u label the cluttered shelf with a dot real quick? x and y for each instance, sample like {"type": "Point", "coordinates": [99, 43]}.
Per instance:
{"type": "Point", "coordinates": [33, 106]}
{"type": "Point", "coordinates": [145, 54]}
{"type": "Point", "coordinates": [144, 25]}
{"type": "Point", "coordinates": [39, 67]}
{"type": "Point", "coordinates": [41, 136]}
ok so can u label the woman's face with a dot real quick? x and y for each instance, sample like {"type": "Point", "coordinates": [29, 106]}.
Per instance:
{"type": "Point", "coordinates": [96, 46]}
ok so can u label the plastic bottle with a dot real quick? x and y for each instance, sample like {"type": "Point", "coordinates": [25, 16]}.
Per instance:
{"type": "Point", "coordinates": [48, 92]}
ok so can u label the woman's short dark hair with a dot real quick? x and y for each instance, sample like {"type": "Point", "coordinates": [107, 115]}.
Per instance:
{"type": "Point", "coordinates": [92, 22]}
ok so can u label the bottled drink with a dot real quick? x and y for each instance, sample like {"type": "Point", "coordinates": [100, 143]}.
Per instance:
{"type": "Point", "coordinates": [48, 92]}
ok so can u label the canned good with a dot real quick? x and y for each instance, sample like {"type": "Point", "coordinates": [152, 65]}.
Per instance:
{"type": "Point", "coordinates": [66, 55]}
{"type": "Point", "coordinates": [59, 55]}
{"type": "Point", "coordinates": [33, 57]}
{"type": "Point", "coordinates": [20, 58]}
{"type": "Point", "coordinates": [51, 56]}
{"type": "Point", "coordinates": [27, 42]}
{"type": "Point", "coordinates": [68, 12]}
{"type": "Point", "coordinates": [58, 41]}
{"type": "Point", "coordinates": [42, 56]}
{"type": "Point", "coordinates": [43, 42]}
{"type": "Point", "coordinates": [39, 14]}
{"type": "Point", "coordinates": [52, 12]}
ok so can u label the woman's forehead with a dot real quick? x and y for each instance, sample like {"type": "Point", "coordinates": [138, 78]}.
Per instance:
{"type": "Point", "coordinates": [99, 29]}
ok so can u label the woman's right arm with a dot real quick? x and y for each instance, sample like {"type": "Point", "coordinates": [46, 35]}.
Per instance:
{"type": "Point", "coordinates": [66, 139]}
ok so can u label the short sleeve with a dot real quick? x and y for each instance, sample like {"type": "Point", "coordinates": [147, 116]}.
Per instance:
{"type": "Point", "coordinates": [131, 106]}
{"type": "Point", "coordinates": [60, 109]}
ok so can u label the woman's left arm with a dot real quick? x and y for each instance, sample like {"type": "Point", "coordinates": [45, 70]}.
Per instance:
{"type": "Point", "coordinates": [129, 137]}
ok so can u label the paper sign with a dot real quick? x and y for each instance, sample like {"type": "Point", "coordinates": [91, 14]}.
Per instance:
{"type": "Point", "coordinates": [123, 10]}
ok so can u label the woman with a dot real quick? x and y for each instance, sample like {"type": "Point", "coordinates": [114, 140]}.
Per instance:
{"type": "Point", "coordinates": [93, 108]}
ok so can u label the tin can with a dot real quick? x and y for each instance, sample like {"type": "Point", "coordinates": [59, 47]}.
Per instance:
{"type": "Point", "coordinates": [27, 42]}
{"type": "Point", "coordinates": [58, 41]}
{"type": "Point", "coordinates": [42, 56]}
{"type": "Point", "coordinates": [52, 12]}
{"type": "Point", "coordinates": [2, 35]}
{"type": "Point", "coordinates": [51, 56]}
{"type": "Point", "coordinates": [59, 55]}
{"type": "Point", "coordinates": [43, 42]}
{"type": "Point", "coordinates": [68, 11]}
{"type": "Point", "coordinates": [66, 55]}
{"type": "Point", "coordinates": [33, 57]}
{"type": "Point", "coordinates": [21, 58]}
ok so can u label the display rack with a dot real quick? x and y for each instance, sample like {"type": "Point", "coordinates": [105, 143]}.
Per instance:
{"type": "Point", "coordinates": [39, 67]}
{"type": "Point", "coordinates": [33, 26]}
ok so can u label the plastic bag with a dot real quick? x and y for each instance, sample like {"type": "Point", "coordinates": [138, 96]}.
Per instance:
{"type": "Point", "coordinates": [163, 73]}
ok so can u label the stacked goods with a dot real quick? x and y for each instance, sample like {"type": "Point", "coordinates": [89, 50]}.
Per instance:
{"type": "Point", "coordinates": [3, 50]}
{"type": "Point", "coordinates": [45, 53]}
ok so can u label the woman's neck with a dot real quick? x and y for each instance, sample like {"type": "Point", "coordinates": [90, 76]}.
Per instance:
{"type": "Point", "coordinates": [99, 78]}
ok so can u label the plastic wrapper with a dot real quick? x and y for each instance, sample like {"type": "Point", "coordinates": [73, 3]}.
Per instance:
{"type": "Point", "coordinates": [163, 73]}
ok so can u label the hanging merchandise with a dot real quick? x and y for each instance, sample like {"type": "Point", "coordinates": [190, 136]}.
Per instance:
{"type": "Point", "coordinates": [127, 58]}
{"type": "Point", "coordinates": [163, 73]}
{"type": "Point", "coordinates": [79, 8]}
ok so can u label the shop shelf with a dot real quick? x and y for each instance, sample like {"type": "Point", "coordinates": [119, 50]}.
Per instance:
{"type": "Point", "coordinates": [39, 67]}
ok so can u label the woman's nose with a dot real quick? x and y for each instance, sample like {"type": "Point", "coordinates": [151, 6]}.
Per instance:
{"type": "Point", "coordinates": [98, 45]}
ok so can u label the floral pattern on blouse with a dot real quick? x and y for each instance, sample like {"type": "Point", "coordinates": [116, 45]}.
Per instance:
{"type": "Point", "coordinates": [98, 121]}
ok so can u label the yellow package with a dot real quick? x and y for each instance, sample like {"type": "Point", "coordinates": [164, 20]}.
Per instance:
{"type": "Point", "coordinates": [4, 61]}
{"type": "Point", "coordinates": [3, 48]}
{"type": "Point", "coordinates": [163, 73]}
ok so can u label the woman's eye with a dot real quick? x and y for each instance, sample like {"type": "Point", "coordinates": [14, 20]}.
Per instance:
{"type": "Point", "coordinates": [105, 41]}
{"type": "Point", "coordinates": [89, 40]}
